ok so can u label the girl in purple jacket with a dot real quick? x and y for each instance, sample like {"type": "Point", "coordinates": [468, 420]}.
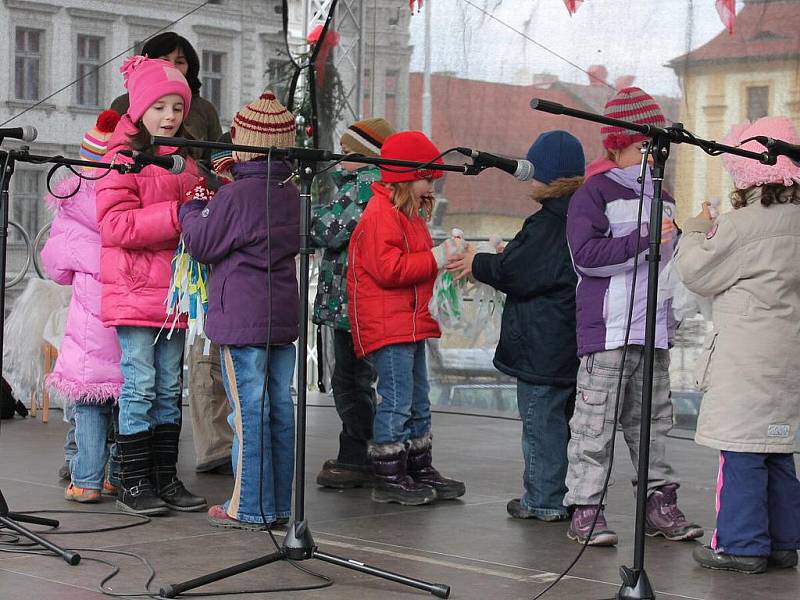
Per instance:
{"type": "Point", "coordinates": [86, 374]}
{"type": "Point", "coordinates": [603, 239]}
{"type": "Point", "coordinates": [251, 245]}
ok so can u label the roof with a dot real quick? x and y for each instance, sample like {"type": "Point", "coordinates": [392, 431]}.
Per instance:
{"type": "Point", "coordinates": [497, 118]}
{"type": "Point", "coordinates": [764, 30]}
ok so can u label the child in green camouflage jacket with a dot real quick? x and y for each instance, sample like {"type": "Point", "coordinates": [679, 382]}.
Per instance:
{"type": "Point", "coordinates": [352, 379]}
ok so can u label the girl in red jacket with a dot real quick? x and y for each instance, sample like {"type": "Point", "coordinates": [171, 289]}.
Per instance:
{"type": "Point", "coordinates": [393, 266]}
{"type": "Point", "coordinates": [139, 230]}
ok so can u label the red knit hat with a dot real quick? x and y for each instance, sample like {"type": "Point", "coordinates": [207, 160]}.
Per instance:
{"type": "Point", "coordinates": [634, 105]}
{"type": "Point", "coordinates": [412, 146]}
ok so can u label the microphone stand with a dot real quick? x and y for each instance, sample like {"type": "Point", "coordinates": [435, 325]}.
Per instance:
{"type": "Point", "coordinates": [635, 583]}
{"type": "Point", "coordinates": [299, 543]}
{"type": "Point", "coordinates": [8, 160]}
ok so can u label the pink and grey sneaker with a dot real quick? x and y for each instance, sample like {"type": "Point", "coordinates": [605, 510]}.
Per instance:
{"type": "Point", "coordinates": [663, 517]}
{"type": "Point", "coordinates": [219, 518]}
{"type": "Point", "coordinates": [581, 525]}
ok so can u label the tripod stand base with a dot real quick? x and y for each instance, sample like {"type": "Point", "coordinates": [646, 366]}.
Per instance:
{"type": "Point", "coordinates": [299, 543]}
{"type": "Point", "coordinates": [635, 585]}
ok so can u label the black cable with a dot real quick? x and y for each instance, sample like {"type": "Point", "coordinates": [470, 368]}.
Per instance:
{"type": "Point", "coordinates": [616, 399]}
{"type": "Point", "coordinates": [143, 520]}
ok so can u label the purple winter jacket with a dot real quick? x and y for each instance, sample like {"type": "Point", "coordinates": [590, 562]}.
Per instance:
{"type": "Point", "coordinates": [602, 236]}
{"type": "Point", "coordinates": [230, 233]}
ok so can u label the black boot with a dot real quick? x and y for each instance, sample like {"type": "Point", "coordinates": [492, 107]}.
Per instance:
{"type": "Point", "coordinates": [137, 493]}
{"type": "Point", "coordinates": [420, 468]}
{"type": "Point", "coordinates": [165, 460]}
{"type": "Point", "coordinates": [392, 483]}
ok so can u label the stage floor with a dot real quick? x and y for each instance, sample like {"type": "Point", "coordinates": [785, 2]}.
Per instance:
{"type": "Point", "coordinates": [471, 544]}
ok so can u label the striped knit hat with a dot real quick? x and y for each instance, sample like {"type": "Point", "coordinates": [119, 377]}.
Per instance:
{"type": "Point", "coordinates": [265, 122]}
{"type": "Point", "coordinates": [222, 160]}
{"type": "Point", "coordinates": [366, 137]}
{"type": "Point", "coordinates": [634, 105]}
{"type": "Point", "coordinates": [95, 142]}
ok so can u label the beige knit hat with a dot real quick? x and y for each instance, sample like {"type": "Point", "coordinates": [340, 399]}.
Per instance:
{"type": "Point", "coordinates": [265, 122]}
{"type": "Point", "coordinates": [366, 137]}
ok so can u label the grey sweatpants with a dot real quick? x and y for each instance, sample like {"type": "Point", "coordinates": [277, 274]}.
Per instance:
{"type": "Point", "coordinates": [591, 425]}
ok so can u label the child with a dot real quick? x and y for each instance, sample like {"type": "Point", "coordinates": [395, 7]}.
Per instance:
{"type": "Point", "coordinates": [139, 230]}
{"type": "Point", "coordinates": [389, 285]}
{"type": "Point", "coordinates": [252, 311]}
{"type": "Point", "coordinates": [353, 378]}
{"type": "Point", "coordinates": [748, 261]}
{"type": "Point", "coordinates": [537, 337]}
{"type": "Point", "coordinates": [86, 374]}
{"type": "Point", "coordinates": [602, 236]}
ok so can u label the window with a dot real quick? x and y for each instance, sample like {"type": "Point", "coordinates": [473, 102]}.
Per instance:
{"type": "Point", "coordinates": [279, 76]}
{"type": "Point", "coordinates": [87, 88]}
{"type": "Point", "coordinates": [26, 202]}
{"type": "Point", "coordinates": [757, 102]}
{"type": "Point", "coordinates": [211, 75]}
{"type": "Point", "coordinates": [390, 91]}
{"type": "Point", "coordinates": [27, 62]}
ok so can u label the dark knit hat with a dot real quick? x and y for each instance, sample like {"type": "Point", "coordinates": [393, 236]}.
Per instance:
{"type": "Point", "coordinates": [412, 146]}
{"type": "Point", "coordinates": [634, 105]}
{"type": "Point", "coordinates": [265, 122]}
{"type": "Point", "coordinates": [556, 154]}
{"type": "Point", "coordinates": [366, 137]}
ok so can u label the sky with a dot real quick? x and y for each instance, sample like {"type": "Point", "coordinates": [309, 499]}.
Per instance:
{"type": "Point", "coordinates": [629, 37]}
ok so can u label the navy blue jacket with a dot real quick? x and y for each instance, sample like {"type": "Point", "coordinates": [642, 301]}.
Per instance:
{"type": "Point", "coordinates": [537, 337]}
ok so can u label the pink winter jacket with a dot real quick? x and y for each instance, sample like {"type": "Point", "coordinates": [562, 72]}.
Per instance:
{"type": "Point", "coordinates": [87, 369]}
{"type": "Point", "coordinates": [139, 230]}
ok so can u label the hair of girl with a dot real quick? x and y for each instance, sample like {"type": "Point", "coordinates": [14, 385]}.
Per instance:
{"type": "Point", "coordinates": [166, 42]}
{"type": "Point", "coordinates": [404, 201]}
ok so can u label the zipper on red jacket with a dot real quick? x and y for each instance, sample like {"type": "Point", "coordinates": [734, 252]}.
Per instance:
{"type": "Point", "coordinates": [355, 297]}
{"type": "Point", "coordinates": [416, 299]}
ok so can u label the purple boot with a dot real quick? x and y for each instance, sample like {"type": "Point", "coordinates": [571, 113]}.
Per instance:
{"type": "Point", "coordinates": [663, 517]}
{"type": "Point", "coordinates": [581, 525]}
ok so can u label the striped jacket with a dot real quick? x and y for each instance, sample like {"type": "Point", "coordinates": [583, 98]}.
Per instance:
{"type": "Point", "coordinates": [602, 237]}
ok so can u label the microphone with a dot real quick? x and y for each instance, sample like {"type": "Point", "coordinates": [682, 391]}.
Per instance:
{"type": "Point", "coordinates": [26, 134]}
{"type": "Point", "coordinates": [519, 168]}
{"type": "Point", "coordinates": [779, 148]}
{"type": "Point", "coordinates": [174, 163]}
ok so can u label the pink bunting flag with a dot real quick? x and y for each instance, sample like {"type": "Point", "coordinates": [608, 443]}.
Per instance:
{"type": "Point", "coordinates": [727, 12]}
{"type": "Point", "coordinates": [573, 5]}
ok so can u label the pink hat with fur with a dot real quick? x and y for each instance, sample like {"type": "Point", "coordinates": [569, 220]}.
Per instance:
{"type": "Point", "coordinates": [148, 79]}
{"type": "Point", "coordinates": [747, 172]}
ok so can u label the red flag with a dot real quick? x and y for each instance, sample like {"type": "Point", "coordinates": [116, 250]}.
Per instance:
{"type": "Point", "coordinates": [573, 5]}
{"type": "Point", "coordinates": [727, 12]}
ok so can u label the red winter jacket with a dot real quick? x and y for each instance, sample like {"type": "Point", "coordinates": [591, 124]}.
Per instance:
{"type": "Point", "coordinates": [390, 277]}
{"type": "Point", "coordinates": [139, 231]}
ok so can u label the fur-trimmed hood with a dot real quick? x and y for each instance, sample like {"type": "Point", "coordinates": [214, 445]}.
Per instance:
{"type": "Point", "coordinates": [559, 188]}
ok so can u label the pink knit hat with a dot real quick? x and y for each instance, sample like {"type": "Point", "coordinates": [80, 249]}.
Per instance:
{"type": "Point", "coordinates": [148, 79]}
{"type": "Point", "coordinates": [634, 105]}
{"type": "Point", "coordinates": [747, 172]}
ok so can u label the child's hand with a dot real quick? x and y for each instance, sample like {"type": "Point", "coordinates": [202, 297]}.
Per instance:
{"type": "Point", "coordinates": [668, 230]}
{"type": "Point", "coordinates": [199, 192]}
{"type": "Point", "coordinates": [461, 264]}
{"type": "Point", "coordinates": [706, 212]}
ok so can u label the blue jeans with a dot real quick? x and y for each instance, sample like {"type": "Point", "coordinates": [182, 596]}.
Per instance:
{"type": "Point", "coordinates": [92, 424]}
{"type": "Point", "coordinates": [545, 411]}
{"type": "Point", "coordinates": [243, 378]}
{"type": "Point", "coordinates": [70, 447]}
{"type": "Point", "coordinates": [151, 372]}
{"type": "Point", "coordinates": [404, 409]}
{"type": "Point", "coordinates": [758, 504]}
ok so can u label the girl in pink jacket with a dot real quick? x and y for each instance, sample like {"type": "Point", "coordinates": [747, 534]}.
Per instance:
{"type": "Point", "coordinates": [139, 231]}
{"type": "Point", "coordinates": [87, 373]}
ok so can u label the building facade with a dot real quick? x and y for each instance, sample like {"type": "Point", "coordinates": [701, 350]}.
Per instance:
{"type": "Point", "coordinates": [750, 74]}
{"type": "Point", "coordinates": [57, 78]}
